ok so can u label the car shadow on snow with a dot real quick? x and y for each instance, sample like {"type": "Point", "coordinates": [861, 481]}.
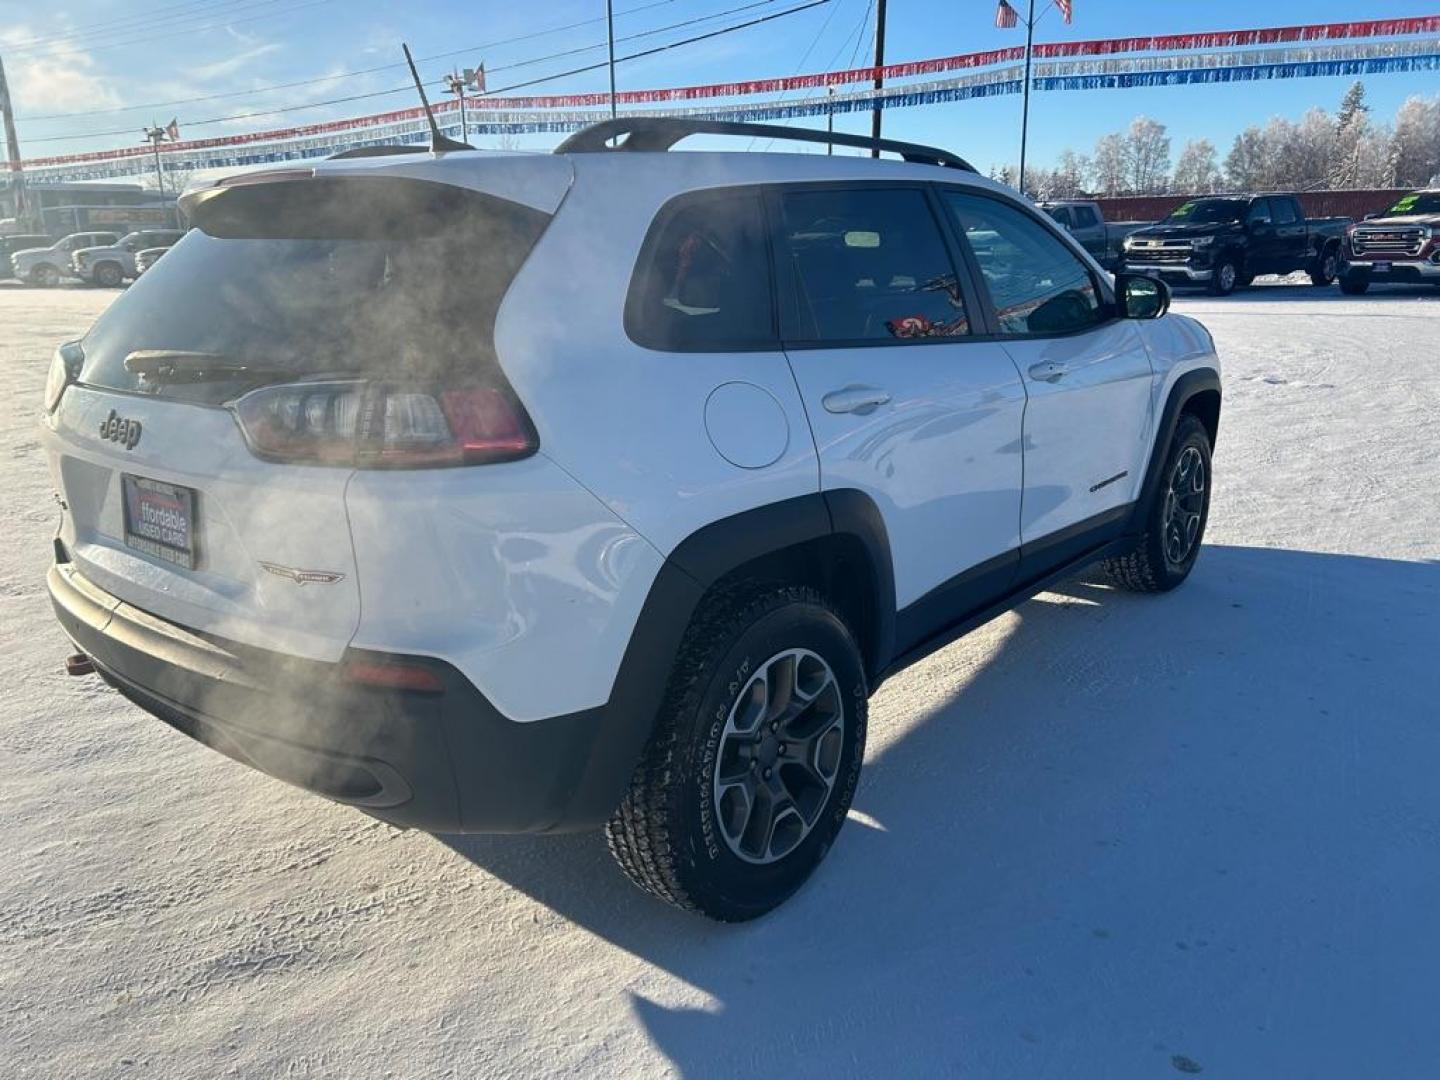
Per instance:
{"type": "Point", "coordinates": [1140, 834]}
{"type": "Point", "coordinates": [1269, 292]}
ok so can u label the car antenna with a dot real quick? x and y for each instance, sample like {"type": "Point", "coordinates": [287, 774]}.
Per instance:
{"type": "Point", "coordinates": [438, 142]}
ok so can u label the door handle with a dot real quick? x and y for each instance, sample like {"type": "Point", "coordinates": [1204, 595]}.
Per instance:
{"type": "Point", "coordinates": [855, 399]}
{"type": "Point", "coordinates": [1048, 371]}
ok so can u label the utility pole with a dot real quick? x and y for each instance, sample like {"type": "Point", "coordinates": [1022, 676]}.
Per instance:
{"type": "Point", "coordinates": [830, 119]}
{"type": "Point", "coordinates": [610, 36]}
{"type": "Point", "coordinates": [156, 135]}
{"type": "Point", "coordinates": [1025, 110]}
{"type": "Point", "coordinates": [455, 83]}
{"type": "Point", "coordinates": [12, 147]}
{"type": "Point", "coordinates": [879, 79]}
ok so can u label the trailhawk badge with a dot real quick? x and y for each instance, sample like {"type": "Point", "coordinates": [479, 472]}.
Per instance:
{"type": "Point", "coordinates": [302, 577]}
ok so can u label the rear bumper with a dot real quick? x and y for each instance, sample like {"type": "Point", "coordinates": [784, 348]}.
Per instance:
{"type": "Point", "coordinates": [444, 761]}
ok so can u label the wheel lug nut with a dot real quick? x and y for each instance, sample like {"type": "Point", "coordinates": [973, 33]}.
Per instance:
{"type": "Point", "coordinates": [782, 748]}
{"type": "Point", "coordinates": [767, 774]}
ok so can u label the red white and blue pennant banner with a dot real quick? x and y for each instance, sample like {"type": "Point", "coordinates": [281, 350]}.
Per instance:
{"type": "Point", "coordinates": [1102, 69]}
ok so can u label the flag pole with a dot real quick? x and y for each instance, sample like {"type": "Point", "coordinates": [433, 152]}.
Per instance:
{"type": "Point", "coordinates": [1025, 111]}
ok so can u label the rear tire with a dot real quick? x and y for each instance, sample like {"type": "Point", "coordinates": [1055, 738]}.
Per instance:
{"type": "Point", "coordinates": [1354, 286]}
{"type": "Point", "coordinates": [1226, 276]}
{"type": "Point", "coordinates": [1327, 269]}
{"type": "Point", "coordinates": [1174, 522]}
{"type": "Point", "coordinates": [686, 830]}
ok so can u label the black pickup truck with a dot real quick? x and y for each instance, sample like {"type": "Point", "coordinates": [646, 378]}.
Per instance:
{"type": "Point", "coordinates": [1225, 241]}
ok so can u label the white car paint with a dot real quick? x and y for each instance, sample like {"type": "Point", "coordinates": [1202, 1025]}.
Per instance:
{"type": "Point", "coordinates": [517, 572]}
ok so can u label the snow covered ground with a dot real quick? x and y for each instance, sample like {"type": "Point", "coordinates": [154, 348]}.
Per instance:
{"type": "Point", "coordinates": [1105, 836]}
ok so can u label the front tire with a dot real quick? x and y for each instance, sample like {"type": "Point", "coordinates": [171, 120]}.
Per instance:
{"type": "Point", "coordinates": [45, 275]}
{"type": "Point", "coordinates": [749, 774]}
{"type": "Point", "coordinates": [1226, 277]}
{"type": "Point", "coordinates": [1327, 269]}
{"type": "Point", "coordinates": [1174, 523]}
{"type": "Point", "coordinates": [109, 275]}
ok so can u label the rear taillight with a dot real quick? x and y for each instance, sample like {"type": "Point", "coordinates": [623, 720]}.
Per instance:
{"type": "Point", "coordinates": [381, 425]}
{"type": "Point", "coordinates": [64, 369]}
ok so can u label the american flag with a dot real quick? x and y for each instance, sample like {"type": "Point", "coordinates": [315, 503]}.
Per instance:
{"type": "Point", "coordinates": [1006, 17]}
{"type": "Point", "coordinates": [1067, 12]}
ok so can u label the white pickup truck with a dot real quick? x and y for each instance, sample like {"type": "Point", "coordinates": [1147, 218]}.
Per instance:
{"type": "Point", "coordinates": [47, 265]}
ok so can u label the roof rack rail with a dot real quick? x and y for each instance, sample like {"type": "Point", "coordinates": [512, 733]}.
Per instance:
{"type": "Point", "coordinates": [382, 150]}
{"type": "Point", "coordinates": [658, 133]}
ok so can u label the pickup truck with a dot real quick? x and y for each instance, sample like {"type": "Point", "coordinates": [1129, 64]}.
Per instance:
{"type": "Point", "coordinates": [1085, 221]}
{"type": "Point", "coordinates": [112, 264]}
{"type": "Point", "coordinates": [47, 265]}
{"type": "Point", "coordinates": [1226, 241]}
{"type": "Point", "coordinates": [1401, 244]}
{"type": "Point", "coordinates": [14, 242]}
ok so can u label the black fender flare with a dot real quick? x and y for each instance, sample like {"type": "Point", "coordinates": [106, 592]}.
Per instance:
{"type": "Point", "coordinates": [697, 563]}
{"type": "Point", "coordinates": [1186, 387]}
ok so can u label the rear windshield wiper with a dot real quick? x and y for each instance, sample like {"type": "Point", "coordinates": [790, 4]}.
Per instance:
{"type": "Point", "coordinates": [188, 366]}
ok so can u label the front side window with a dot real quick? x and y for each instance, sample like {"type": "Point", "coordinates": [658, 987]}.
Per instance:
{"type": "Point", "coordinates": [1284, 211]}
{"type": "Point", "coordinates": [869, 264]}
{"type": "Point", "coordinates": [1085, 217]}
{"type": "Point", "coordinates": [703, 280]}
{"type": "Point", "coordinates": [1038, 285]}
{"type": "Point", "coordinates": [1259, 212]}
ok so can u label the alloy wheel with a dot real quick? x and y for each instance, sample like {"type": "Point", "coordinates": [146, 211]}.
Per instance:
{"type": "Point", "coordinates": [1227, 276]}
{"type": "Point", "coordinates": [779, 756]}
{"type": "Point", "coordinates": [1184, 506]}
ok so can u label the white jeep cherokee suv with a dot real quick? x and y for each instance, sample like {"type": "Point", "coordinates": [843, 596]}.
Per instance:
{"type": "Point", "coordinates": [517, 493]}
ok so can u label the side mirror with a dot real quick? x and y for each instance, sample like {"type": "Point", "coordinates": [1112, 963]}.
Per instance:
{"type": "Point", "coordinates": [1141, 297]}
{"type": "Point", "coordinates": [1371, 216]}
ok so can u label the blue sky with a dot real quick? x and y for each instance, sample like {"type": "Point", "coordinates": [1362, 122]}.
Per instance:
{"type": "Point", "coordinates": [125, 52]}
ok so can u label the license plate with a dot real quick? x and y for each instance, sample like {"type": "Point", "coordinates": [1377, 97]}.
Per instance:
{"type": "Point", "coordinates": [160, 519]}
{"type": "Point", "coordinates": [1381, 268]}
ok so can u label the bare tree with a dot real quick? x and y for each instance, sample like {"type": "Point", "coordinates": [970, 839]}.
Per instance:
{"type": "Point", "coordinates": [1147, 156]}
{"type": "Point", "coordinates": [1248, 165]}
{"type": "Point", "coordinates": [1072, 174]}
{"type": "Point", "coordinates": [1197, 172]}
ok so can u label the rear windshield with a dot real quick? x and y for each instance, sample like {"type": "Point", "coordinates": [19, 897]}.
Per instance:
{"type": "Point", "coordinates": [1208, 211]}
{"type": "Point", "coordinates": [381, 302]}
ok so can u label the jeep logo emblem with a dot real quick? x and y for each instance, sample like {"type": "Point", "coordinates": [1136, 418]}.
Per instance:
{"type": "Point", "coordinates": [119, 430]}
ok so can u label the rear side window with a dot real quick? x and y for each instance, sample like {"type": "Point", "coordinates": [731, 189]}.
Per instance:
{"type": "Point", "coordinates": [869, 264]}
{"type": "Point", "coordinates": [1284, 211]}
{"type": "Point", "coordinates": [1040, 287]}
{"type": "Point", "coordinates": [1085, 218]}
{"type": "Point", "coordinates": [394, 278]}
{"type": "Point", "coordinates": [703, 280]}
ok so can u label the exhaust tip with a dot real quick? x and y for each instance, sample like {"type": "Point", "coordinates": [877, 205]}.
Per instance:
{"type": "Point", "coordinates": [77, 664]}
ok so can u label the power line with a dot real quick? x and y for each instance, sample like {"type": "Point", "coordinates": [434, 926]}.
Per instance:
{"type": "Point", "coordinates": [150, 17]}
{"type": "Point", "coordinates": [147, 38]}
{"type": "Point", "coordinates": [489, 93]}
{"type": "Point", "coordinates": [143, 27]}
{"type": "Point", "coordinates": [342, 75]}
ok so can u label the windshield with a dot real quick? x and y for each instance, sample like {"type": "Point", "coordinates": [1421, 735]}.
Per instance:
{"type": "Point", "coordinates": [1419, 202]}
{"type": "Point", "coordinates": [1208, 212]}
{"type": "Point", "coordinates": [395, 307]}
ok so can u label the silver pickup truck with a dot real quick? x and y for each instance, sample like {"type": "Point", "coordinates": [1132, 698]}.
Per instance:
{"type": "Point", "coordinates": [112, 264]}
{"type": "Point", "coordinates": [1085, 221]}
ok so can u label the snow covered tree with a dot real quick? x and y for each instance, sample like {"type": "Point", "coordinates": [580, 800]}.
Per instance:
{"type": "Point", "coordinates": [1416, 149]}
{"type": "Point", "coordinates": [1351, 127]}
{"type": "Point", "coordinates": [1110, 164]}
{"type": "Point", "coordinates": [1248, 166]}
{"type": "Point", "coordinates": [1147, 156]}
{"type": "Point", "coordinates": [1196, 173]}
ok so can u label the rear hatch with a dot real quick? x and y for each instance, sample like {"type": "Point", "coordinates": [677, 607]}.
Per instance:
{"type": "Point", "coordinates": [313, 324]}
